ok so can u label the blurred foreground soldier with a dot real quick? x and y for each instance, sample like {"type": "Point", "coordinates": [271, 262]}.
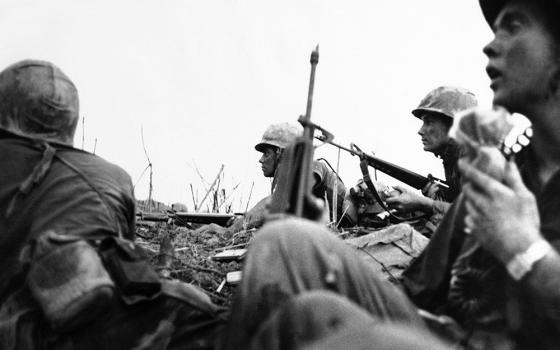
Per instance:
{"type": "Point", "coordinates": [70, 274]}
{"type": "Point", "coordinates": [499, 269]}
{"type": "Point", "coordinates": [437, 111]}
{"type": "Point", "coordinates": [302, 285]}
{"type": "Point", "coordinates": [502, 282]}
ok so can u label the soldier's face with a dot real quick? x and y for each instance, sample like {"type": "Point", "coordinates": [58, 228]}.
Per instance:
{"type": "Point", "coordinates": [522, 59]}
{"type": "Point", "coordinates": [269, 160]}
{"type": "Point", "coordinates": [434, 132]}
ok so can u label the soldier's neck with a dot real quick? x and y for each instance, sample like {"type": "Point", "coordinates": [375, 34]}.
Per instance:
{"type": "Point", "coordinates": [442, 150]}
{"type": "Point", "coordinates": [546, 149]}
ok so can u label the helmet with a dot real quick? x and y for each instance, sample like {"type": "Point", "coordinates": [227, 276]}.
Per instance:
{"type": "Point", "coordinates": [491, 8]}
{"type": "Point", "coordinates": [446, 100]}
{"type": "Point", "coordinates": [278, 135]}
{"type": "Point", "coordinates": [38, 100]}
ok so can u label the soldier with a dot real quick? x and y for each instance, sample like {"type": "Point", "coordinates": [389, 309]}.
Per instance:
{"type": "Point", "coordinates": [67, 223]}
{"type": "Point", "coordinates": [514, 219]}
{"type": "Point", "coordinates": [274, 140]}
{"type": "Point", "coordinates": [436, 111]}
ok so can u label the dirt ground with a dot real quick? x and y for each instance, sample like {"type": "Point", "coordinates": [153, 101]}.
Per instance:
{"type": "Point", "coordinates": [186, 253]}
{"type": "Point", "coordinates": [189, 256]}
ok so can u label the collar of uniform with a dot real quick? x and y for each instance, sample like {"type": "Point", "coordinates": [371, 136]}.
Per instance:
{"type": "Point", "coordinates": [6, 134]}
{"type": "Point", "coordinates": [447, 150]}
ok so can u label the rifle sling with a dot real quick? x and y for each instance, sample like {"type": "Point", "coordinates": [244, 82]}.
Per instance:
{"type": "Point", "coordinates": [371, 187]}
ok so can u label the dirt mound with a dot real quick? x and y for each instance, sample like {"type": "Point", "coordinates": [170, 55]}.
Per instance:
{"type": "Point", "coordinates": [186, 254]}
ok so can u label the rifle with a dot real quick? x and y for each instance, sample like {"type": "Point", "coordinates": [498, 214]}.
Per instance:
{"type": "Point", "coordinates": [407, 176]}
{"type": "Point", "coordinates": [292, 194]}
{"type": "Point", "coordinates": [181, 218]}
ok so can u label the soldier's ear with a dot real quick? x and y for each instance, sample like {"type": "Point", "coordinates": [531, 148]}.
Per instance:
{"type": "Point", "coordinates": [277, 156]}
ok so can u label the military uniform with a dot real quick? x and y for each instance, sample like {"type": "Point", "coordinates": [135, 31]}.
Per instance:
{"type": "Point", "coordinates": [449, 154]}
{"type": "Point", "coordinates": [324, 188]}
{"type": "Point", "coordinates": [454, 275]}
{"type": "Point", "coordinates": [70, 274]}
{"type": "Point", "coordinates": [276, 306]}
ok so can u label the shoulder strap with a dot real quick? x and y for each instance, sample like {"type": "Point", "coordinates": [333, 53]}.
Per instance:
{"type": "Point", "coordinates": [38, 173]}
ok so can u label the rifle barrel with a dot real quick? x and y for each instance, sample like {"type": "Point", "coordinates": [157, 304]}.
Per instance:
{"type": "Point", "coordinates": [413, 179]}
{"type": "Point", "coordinates": [308, 131]}
{"type": "Point", "coordinates": [351, 151]}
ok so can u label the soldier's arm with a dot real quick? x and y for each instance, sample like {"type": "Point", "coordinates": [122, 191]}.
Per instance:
{"type": "Point", "coordinates": [505, 219]}
{"type": "Point", "coordinates": [253, 218]}
{"type": "Point", "coordinates": [543, 284]}
{"type": "Point", "coordinates": [440, 207]}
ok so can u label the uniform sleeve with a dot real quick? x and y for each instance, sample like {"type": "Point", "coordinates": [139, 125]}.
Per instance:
{"type": "Point", "coordinates": [319, 173]}
{"type": "Point", "coordinates": [542, 285]}
{"type": "Point", "coordinates": [440, 207]}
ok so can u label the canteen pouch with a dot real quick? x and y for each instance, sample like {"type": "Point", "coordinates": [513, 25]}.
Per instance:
{"type": "Point", "coordinates": [130, 269]}
{"type": "Point", "coordinates": [68, 280]}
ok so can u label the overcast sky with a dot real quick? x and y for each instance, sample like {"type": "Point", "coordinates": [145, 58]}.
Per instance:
{"type": "Point", "coordinates": [205, 78]}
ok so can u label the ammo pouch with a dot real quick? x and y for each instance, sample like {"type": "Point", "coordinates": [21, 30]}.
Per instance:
{"type": "Point", "coordinates": [128, 265]}
{"type": "Point", "coordinates": [74, 279]}
{"type": "Point", "coordinates": [68, 280]}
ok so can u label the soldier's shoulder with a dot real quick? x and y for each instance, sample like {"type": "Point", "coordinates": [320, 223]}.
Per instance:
{"type": "Point", "coordinates": [96, 166]}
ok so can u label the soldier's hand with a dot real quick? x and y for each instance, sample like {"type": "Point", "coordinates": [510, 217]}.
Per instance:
{"type": "Point", "coordinates": [405, 200]}
{"type": "Point", "coordinates": [430, 189]}
{"type": "Point", "coordinates": [504, 216]}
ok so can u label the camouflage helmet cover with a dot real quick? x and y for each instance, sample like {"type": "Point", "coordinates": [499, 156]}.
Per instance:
{"type": "Point", "coordinates": [446, 100]}
{"type": "Point", "coordinates": [38, 100]}
{"type": "Point", "coordinates": [278, 135]}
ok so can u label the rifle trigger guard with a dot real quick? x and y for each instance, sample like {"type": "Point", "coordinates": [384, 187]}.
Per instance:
{"type": "Point", "coordinates": [373, 190]}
